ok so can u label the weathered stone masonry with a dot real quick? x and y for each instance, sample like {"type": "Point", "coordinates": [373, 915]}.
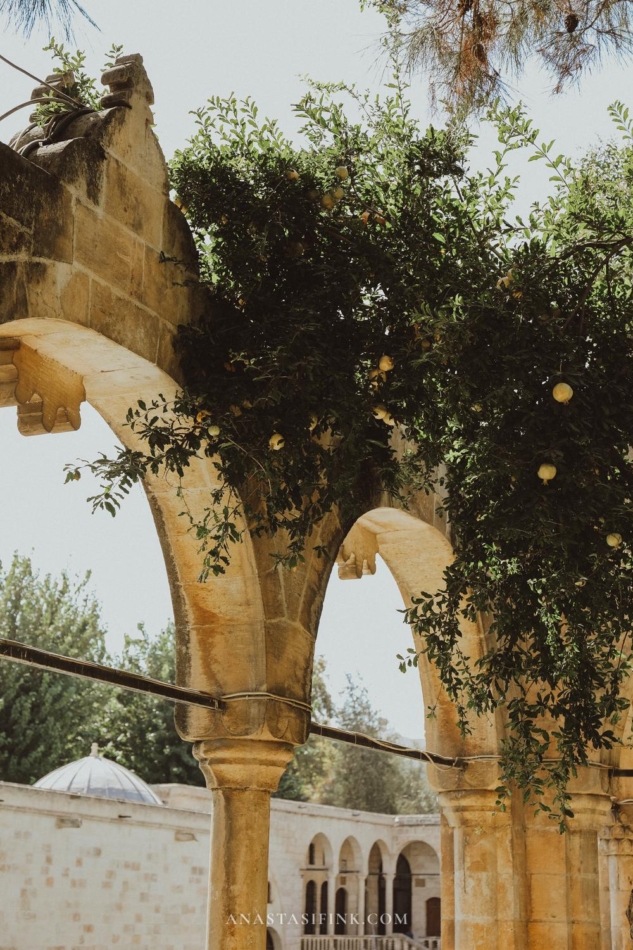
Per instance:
{"type": "Point", "coordinates": [97, 269]}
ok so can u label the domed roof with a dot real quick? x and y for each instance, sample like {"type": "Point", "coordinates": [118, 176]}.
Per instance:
{"type": "Point", "coordinates": [95, 775]}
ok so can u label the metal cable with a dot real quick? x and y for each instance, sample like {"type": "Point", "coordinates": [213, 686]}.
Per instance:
{"type": "Point", "coordinates": [23, 105]}
{"type": "Point", "coordinates": [42, 82]}
{"type": "Point", "coordinates": [19, 652]}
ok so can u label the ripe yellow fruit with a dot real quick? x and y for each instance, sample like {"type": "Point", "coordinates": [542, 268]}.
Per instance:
{"type": "Point", "coordinates": [337, 193]}
{"type": "Point", "coordinates": [342, 172]}
{"type": "Point", "coordinates": [547, 472]}
{"type": "Point", "coordinates": [327, 202]}
{"type": "Point", "coordinates": [614, 540]}
{"type": "Point", "coordinates": [380, 411]}
{"type": "Point", "coordinates": [562, 392]}
{"type": "Point", "coordinates": [426, 344]}
{"type": "Point", "coordinates": [276, 441]}
{"type": "Point", "coordinates": [314, 195]}
{"type": "Point", "coordinates": [376, 377]}
{"type": "Point", "coordinates": [213, 431]}
{"type": "Point", "coordinates": [385, 363]}
{"type": "Point", "coordinates": [292, 175]}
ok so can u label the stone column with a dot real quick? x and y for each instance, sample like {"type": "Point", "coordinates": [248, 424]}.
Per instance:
{"type": "Point", "coordinates": [371, 904]}
{"type": "Point", "coordinates": [242, 775]}
{"type": "Point", "coordinates": [447, 883]}
{"type": "Point", "coordinates": [487, 913]}
{"type": "Point", "coordinates": [360, 904]}
{"type": "Point", "coordinates": [389, 877]}
{"type": "Point", "coordinates": [331, 889]}
{"type": "Point", "coordinates": [242, 756]}
{"type": "Point", "coordinates": [562, 874]}
{"type": "Point", "coordinates": [617, 846]}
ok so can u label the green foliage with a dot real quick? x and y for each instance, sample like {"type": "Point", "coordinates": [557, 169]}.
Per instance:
{"type": "Point", "coordinates": [372, 242]}
{"type": "Point", "coordinates": [138, 730]}
{"type": "Point", "coordinates": [47, 719]}
{"type": "Point", "coordinates": [80, 86]}
{"type": "Point", "coordinates": [335, 773]}
{"type": "Point", "coordinates": [369, 780]}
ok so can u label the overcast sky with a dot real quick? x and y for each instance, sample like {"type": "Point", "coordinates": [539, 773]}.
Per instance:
{"type": "Point", "coordinates": [192, 50]}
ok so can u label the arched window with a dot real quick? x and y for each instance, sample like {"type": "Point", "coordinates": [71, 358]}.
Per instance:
{"type": "Point", "coordinates": [434, 917]}
{"type": "Point", "coordinates": [376, 898]}
{"type": "Point", "coordinates": [272, 940]}
{"type": "Point", "coordinates": [310, 908]}
{"type": "Point", "coordinates": [324, 909]}
{"type": "Point", "coordinates": [340, 909]}
{"type": "Point", "coordinates": [402, 897]}
{"type": "Point", "coordinates": [311, 855]}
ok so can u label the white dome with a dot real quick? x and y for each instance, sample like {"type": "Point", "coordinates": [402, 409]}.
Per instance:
{"type": "Point", "coordinates": [100, 777]}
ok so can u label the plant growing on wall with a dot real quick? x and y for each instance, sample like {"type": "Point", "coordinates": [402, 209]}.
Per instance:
{"type": "Point", "coordinates": [376, 316]}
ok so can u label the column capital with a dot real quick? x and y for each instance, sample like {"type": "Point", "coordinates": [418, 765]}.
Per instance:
{"type": "Point", "coordinates": [617, 839]}
{"type": "Point", "coordinates": [245, 764]}
{"type": "Point", "coordinates": [473, 808]}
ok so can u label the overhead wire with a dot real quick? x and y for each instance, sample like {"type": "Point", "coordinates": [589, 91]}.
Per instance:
{"type": "Point", "coordinates": [18, 652]}
{"type": "Point", "coordinates": [43, 82]}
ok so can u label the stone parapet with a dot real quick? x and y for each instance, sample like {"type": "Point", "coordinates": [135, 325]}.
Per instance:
{"type": "Point", "coordinates": [87, 231]}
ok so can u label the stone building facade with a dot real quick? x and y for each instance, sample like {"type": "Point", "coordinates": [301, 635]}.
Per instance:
{"type": "Point", "coordinates": [97, 269]}
{"type": "Point", "coordinates": [86, 871]}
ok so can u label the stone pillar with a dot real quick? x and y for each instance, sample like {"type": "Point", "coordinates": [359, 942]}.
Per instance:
{"type": "Point", "coordinates": [360, 904]}
{"type": "Point", "coordinates": [389, 877]}
{"type": "Point", "coordinates": [617, 846]}
{"type": "Point", "coordinates": [242, 775]}
{"type": "Point", "coordinates": [371, 903]}
{"type": "Point", "coordinates": [485, 890]}
{"type": "Point", "coordinates": [447, 883]}
{"type": "Point", "coordinates": [243, 752]}
{"type": "Point", "coordinates": [562, 876]}
{"type": "Point", "coordinates": [331, 917]}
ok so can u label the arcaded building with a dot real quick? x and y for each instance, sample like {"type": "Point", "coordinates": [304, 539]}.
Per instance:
{"type": "Point", "coordinates": [93, 857]}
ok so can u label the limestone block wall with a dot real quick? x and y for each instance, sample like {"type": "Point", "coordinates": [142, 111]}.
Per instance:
{"type": "Point", "coordinates": [94, 874]}
{"type": "Point", "coordinates": [87, 230]}
{"type": "Point", "coordinates": [91, 873]}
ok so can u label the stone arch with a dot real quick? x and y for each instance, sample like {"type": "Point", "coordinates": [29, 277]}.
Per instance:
{"type": "Point", "coordinates": [422, 857]}
{"type": "Point", "coordinates": [273, 940]}
{"type": "Point", "coordinates": [350, 856]}
{"type": "Point", "coordinates": [379, 862]}
{"type": "Point", "coordinates": [416, 548]}
{"type": "Point", "coordinates": [423, 864]}
{"type": "Point", "coordinates": [57, 365]}
{"type": "Point", "coordinates": [378, 855]}
{"type": "Point", "coordinates": [323, 856]}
